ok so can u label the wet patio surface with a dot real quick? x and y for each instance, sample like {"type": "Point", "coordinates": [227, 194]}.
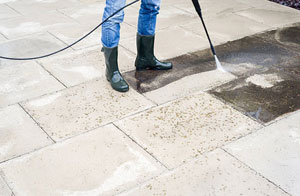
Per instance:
{"type": "Point", "coordinates": [267, 67]}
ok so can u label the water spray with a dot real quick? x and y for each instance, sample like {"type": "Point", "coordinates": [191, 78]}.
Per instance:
{"type": "Point", "coordinates": [198, 10]}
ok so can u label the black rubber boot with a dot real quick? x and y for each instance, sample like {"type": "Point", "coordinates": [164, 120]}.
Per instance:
{"type": "Point", "coordinates": [145, 55]}
{"type": "Point", "coordinates": [112, 70]}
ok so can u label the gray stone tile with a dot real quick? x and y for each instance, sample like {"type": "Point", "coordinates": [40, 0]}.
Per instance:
{"type": "Point", "coordinates": [4, 189]}
{"type": "Point", "coordinates": [271, 17]}
{"type": "Point", "coordinates": [33, 45]}
{"type": "Point", "coordinates": [226, 27]}
{"type": "Point", "coordinates": [171, 42]}
{"type": "Point", "coordinates": [25, 81]}
{"type": "Point", "coordinates": [186, 128]}
{"type": "Point", "coordinates": [87, 13]}
{"type": "Point", "coordinates": [265, 96]}
{"type": "Point", "coordinates": [213, 8]}
{"type": "Point", "coordinates": [25, 25]}
{"type": "Point", "coordinates": [72, 32]}
{"type": "Point", "coordinates": [216, 174]}
{"type": "Point", "coordinates": [101, 162]}
{"type": "Point", "coordinates": [7, 12]}
{"type": "Point", "coordinates": [274, 152]}
{"type": "Point", "coordinates": [83, 108]}
{"type": "Point", "coordinates": [189, 85]}
{"type": "Point", "coordinates": [80, 66]}
{"type": "Point", "coordinates": [19, 133]}
{"type": "Point", "coordinates": [32, 7]}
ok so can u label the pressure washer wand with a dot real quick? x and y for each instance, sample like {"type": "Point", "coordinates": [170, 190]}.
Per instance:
{"type": "Point", "coordinates": [198, 10]}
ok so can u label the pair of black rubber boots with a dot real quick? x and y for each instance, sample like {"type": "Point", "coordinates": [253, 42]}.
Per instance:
{"type": "Point", "coordinates": [145, 60]}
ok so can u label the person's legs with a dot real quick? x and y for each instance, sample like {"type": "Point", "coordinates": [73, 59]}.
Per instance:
{"type": "Point", "coordinates": [110, 40]}
{"type": "Point", "coordinates": [111, 28]}
{"type": "Point", "coordinates": [145, 37]}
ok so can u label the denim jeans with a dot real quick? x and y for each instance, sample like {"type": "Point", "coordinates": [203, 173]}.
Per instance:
{"type": "Point", "coordinates": [146, 21]}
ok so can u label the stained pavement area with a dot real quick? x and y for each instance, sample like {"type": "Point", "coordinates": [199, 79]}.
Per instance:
{"type": "Point", "coordinates": [192, 130]}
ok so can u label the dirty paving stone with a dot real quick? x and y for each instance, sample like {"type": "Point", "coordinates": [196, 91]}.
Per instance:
{"type": "Point", "coordinates": [263, 96]}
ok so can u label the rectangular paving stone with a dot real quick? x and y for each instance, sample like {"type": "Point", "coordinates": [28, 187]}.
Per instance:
{"type": "Point", "coordinates": [72, 32]}
{"type": "Point", "coordinates": [271, 17]}
{"type": "Point", "coordinates": [25, 81]}
{"type": "Point", "coordinates": [189, 85]}
{"type": "Point", "coordinates": [4, 189]}
{"type": "Point", "coordinates": [32, 7]}
{"type": "Point", "coordinates": [29, 46]}
{"type": "Point", "coordinates": [80, 66]}
{"type": "Point", "coordinates": [264, 96]}
{"type": "Point", "coordinates": [180, 40]}
{"type": "Point", "coordinates": [19, 133]}
{"type": "Point", "coordinates": [216, 173]}
{"type": "Point", "coordinates": [7, 12]}
{"type": "Point", "coordinates": [226, 27]}
{"type": "Point", "coordinates": [83, 108]}
{"type": "Point", "coordinates": [101, 162]}
{"type": "Point", "coordinates": [26, 25]}
{"type": "Point", "coordinates": [274, 152]}
{"type": "Point", "coordinates": [213, 8]}
{"type": "Point", "coordinates": [186, 128]}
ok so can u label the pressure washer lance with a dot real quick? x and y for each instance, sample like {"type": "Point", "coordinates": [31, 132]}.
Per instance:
{"type": "Point", "coordinates": [198, 10]}
{"type": "Point", "coordinates": [69, 46]}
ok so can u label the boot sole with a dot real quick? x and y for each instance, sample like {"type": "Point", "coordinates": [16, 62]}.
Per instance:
{"type": "Point", "coordinates": [152, 68]}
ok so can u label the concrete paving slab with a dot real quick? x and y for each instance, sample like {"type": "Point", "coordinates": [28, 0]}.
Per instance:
{"type": "Point", "coordinates": [80, 66]}
{"type": "Point", "coordinates": [101, 162]}
{"type": "Point", "coordinates": [25, 81]}
{"type": "Point", "coordinates": [83, 108]}
{"type": "Point", "coordinates": [19, 133]}
{"type": "Point", "coordinates": [271, 17]}
{"type": "Point", "coordinates": [4, 190]}
{"type": "Point", "coordinates": [73, 32]}
{"type": "Point", "coordinates": [226, 27]}
{"type": "Point", "coordinates": [287, 37]}
{"type": "Point", "coordinates": [7, 12]}
{"type": "Point", "coordinates": [85, 13]}
{"type": "Point", "coordinates": [33, 45]}
{"type": "Point", "coordinates": [274, 152]}
{"type": "Point", "coordinates": [169, 16]}
{"type": "Point", "coordinates": [180, 40]}
{"type": "Point", "coordinates": [249, 55]}
{"type": "Point", "coordinates": [216, 173]}
{"type": "Point", "coordinates": [213, 8]}
{"type": "Point", "coordinates": [25, 25]}
{"type": "Point", "coordinates": [32, 7]}
{"type": "Point", "coordinates": [189, 85]}
{"type": "Point", "coordinates": [2, 39]}
{"type": "Point", "coordinates": [265, 96]}
{"type": "Point", "coordinates": [186, 128]}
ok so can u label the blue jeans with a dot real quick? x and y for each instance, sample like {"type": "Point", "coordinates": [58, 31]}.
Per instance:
{"type": "Point", "coordinates": [146, 22]}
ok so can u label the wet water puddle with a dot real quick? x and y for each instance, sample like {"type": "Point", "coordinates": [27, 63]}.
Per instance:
{"type": "Point", "coordinates": [267, 66]}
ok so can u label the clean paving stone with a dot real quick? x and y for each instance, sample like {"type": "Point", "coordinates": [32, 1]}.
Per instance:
{"type": "Point", "coordinates": [19, 133]}
{"type": "Point", "coordinates": [186, 128]}
{"type": "Point", "coordinates": [25, 81]}
{"type": "Point", "coordinates": [101, 162]}
{"type": "Point", "coordinates": [213, 8]}
{"type": "Point", "coordinates": [226, 27]}
{"type": "Point", "coordinates": [72, 32]}
{"type": "Point", "coordinates": [7, 12]}
{"type": "Point", "coordinates": [2, 39]}
{"type": "Point", "coordinates": [32, 7]}
{"type": "Point", "coordinates": [30, 46]}
{"type": "Point", "coordinates": [216, 173]}
{"type": "Point", "coordinates": [189, 85]}
{"type": "Point", "coordinates": [26, 25]}
{"type": "Point", "coordinates": [273, 18]}
{"type": "Point", "coordinates": [83, 108]}
{"type": "Point", "coordinates": [274, 152]}
{"type": "Point", "coordinates": [80, 66]}
{"type": "Point", "coordinates": [171, 42]}
{"type": "Point", "coordinates": [4, 189]}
